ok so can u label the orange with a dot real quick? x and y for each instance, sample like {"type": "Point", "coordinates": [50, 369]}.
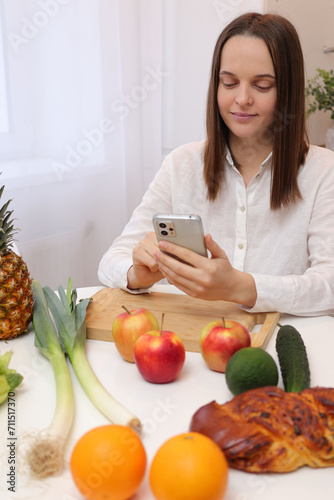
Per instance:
{"type": "Point", "coordinates": [108, 463]}
{"type": "Point", "coordinates": [189, 466]}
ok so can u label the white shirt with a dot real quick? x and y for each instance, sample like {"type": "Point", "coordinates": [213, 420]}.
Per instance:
{"type": "Point", "coordinates": [289, 252]}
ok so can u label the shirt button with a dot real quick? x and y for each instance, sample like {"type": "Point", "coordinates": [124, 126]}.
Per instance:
{"type": "Point", "coordinates": [240, 246]}
{"type": "Point", "coordinates": [242, 209]}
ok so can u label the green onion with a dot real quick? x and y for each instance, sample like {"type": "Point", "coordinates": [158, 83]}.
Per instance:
{"type": "Point", "coordinates": [45, 450]}
{"type": "Point", "coordinates": [70, 321]}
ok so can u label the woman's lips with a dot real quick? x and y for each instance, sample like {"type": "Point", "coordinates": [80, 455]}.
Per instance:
{"type": "Point", "coordinates": [243, 117]}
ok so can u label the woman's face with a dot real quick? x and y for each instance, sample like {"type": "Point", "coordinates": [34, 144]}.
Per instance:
{"type": "Point", "coordinates": [247, 93]}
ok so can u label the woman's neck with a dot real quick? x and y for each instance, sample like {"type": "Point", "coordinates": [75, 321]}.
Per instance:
{"type": "Point", "coordinates": [249, 155]}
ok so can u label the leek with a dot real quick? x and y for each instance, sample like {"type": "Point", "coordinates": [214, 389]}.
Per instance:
{"type": "Point", "coordinates": [70, 321]}
{"type": "Point", "coordinates": [45, 450]}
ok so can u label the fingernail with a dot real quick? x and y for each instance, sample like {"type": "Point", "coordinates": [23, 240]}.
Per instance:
{"type": "Point", "coordinates": [163, 244]}
{"type": "Point", "coordinates": [156, 255]}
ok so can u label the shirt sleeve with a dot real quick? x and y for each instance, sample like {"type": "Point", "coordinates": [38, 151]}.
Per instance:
{"type": "Point", "coordinates": [115, 263]}
{"type": "Point", "coordinates": [308, 295]}
{"type": "Point", "coordinates": [311, 293]}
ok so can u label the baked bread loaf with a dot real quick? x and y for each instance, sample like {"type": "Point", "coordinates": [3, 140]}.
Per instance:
{"type": "Point", "coordinates": [270, 430]}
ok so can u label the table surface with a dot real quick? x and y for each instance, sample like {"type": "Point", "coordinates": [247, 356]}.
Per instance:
{"type": "Point", "coordinates": [165, 410]}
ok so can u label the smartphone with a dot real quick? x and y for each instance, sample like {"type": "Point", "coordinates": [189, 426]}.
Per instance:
{"type": "Point", "coordinates": [183, 230]}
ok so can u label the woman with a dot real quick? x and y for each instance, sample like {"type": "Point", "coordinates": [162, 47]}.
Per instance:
{"type": "Point", "coordinates": [265, 196]}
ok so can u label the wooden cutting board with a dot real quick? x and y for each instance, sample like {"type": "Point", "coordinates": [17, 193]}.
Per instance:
{"type": "Point", "coordinates": [183, 315]}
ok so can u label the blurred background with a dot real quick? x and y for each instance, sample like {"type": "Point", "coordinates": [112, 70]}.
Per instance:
{"type": "Point", "coordinates": [94, 94]}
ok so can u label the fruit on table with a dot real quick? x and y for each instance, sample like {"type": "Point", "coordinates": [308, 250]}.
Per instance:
{"type": "Point", "coordinates": [189, 465]}
{"type": "Point", "coordinates": [293, 359]}
{"type": "Point", "coordinates": [108, 462]}
{"type": "Point", "coordinates": [249, 368]}
{"type": "Point", "coordinates": [219, 340]}
{"type": "Point", "coordinates": [159, 356]}
{"type": "Point", "coordinates": [16, 297]}
{"type": "Point", "coordinates": [128, 327]}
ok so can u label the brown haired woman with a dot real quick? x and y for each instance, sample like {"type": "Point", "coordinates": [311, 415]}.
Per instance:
{"type": "Point", "coordinates": [266, 197]}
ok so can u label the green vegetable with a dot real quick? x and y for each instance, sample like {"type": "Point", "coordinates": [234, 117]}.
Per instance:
{"type": "Point", "coordinates": [293, 359]}
{"type": "Point", "coordinates": [70, 321]}
{"type": "Point", "coordinates": [249, 368]}
{"type": "Point", "coordinates": [9, 378]}
{"type": "Point", "coordinates": [45, 454]}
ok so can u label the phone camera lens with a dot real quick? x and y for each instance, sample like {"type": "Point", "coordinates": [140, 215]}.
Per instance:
{"type": "Point", "coordinates": [162, 225]}
{"type": "Point", "coordinates": [164, 233]}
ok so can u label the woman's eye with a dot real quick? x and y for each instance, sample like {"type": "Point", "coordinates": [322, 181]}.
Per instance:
{"type": "Point", "coordinates": [228, 84]}
{"type": "Point", "coordinates": [263, 87]}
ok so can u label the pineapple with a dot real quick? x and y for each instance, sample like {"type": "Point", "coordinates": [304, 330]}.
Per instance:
{"type": "Point", "coordinates": [16, 296]}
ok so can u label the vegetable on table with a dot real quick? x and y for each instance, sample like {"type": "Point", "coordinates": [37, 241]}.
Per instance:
{"type": "Point", "coordinates": [293, 359]}
{"type": "Point", "coordinates": [70, 321]}
{"type": "Point", "coordinates": [54, 317]}
{"type": "Point", "coordinates": [9, 378]}
{"type": "Point", "coordinates": [43, 451]}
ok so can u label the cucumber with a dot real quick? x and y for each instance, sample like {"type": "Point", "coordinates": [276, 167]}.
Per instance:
{"type": "Point", "coordinates": [293, 359]}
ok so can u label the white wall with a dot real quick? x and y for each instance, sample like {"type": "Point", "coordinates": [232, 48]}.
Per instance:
{"type": "Point", "coordinates": [191, 29]}
{"type": "Point", "coordinates": [314, 21]}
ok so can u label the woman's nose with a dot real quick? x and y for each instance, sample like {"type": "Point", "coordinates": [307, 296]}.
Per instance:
{"type": "Point", "coordinates": [243, 96]}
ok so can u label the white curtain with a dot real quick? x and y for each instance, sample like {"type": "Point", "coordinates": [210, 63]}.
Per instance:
{"type": "Point", "coordinates": [84, 82]}
{"type": "Point", "coordinates": [97, 92]}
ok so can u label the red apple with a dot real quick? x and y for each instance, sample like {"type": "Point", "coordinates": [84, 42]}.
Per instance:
{"type": "Point", "coordinates": [219, 340]}
{"type": "Point", "coordinates": [128, 327]}
{"type": "Point", "coordinates": [159, 356]}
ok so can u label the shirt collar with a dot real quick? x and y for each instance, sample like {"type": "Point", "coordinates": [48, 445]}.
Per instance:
{"type": "Point", "coordinates": [231, 162]}
{"type": "Point", "coordinates": [229, 157]}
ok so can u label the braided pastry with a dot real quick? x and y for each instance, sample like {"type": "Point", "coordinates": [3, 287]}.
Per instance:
{"type": "Point", "coordinates": [270, 430]}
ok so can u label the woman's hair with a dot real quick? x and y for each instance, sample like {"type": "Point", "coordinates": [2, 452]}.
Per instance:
{"type": "Point", "coordinates": [290, 144]}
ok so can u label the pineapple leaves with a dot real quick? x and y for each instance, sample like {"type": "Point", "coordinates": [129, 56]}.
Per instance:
{"type": "Point", "coordinates": [3, 210]}
{"type": "Point", "coordinates": [7, 230]}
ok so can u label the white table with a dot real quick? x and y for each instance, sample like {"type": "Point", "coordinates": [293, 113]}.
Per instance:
{"type": "Point", "coordinates": [165, 410]}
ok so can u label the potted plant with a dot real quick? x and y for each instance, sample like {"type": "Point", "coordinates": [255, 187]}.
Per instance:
{"type": "Point", "coordinates": [321, 90]}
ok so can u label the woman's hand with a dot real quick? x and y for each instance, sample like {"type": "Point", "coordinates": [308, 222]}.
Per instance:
{"type": "Point", "coordinates": [145, 271]}
{"type": "Point", "coordinates": [209, 279]}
